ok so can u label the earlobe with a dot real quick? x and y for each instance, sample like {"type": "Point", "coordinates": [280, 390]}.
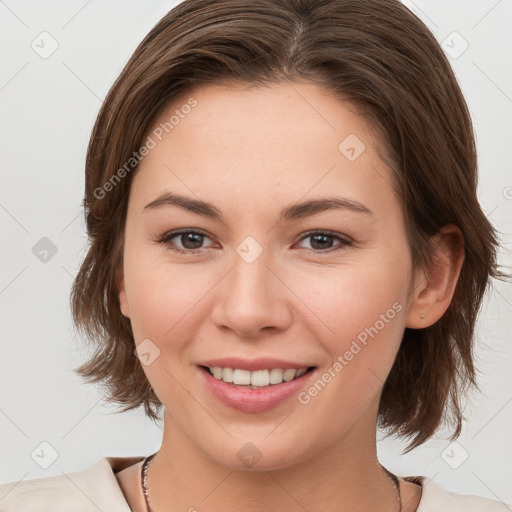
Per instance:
{"type": "Point", "coordinates": [123, 303]}
{"type": "Point", "coordinates": [433, 292]}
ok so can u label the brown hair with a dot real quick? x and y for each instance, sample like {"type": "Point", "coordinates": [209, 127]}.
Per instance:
{"type": "Point", "coordinates": [375, 54]}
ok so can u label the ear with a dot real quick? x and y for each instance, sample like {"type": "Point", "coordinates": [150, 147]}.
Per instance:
{"type": "Point", "coordinates": [123, 303]}
{"type": "Point", "coordinates": [433, 292]}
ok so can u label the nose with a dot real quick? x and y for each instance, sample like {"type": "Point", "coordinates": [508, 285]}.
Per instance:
{"type": "Point", "coordinates": [253, 298]}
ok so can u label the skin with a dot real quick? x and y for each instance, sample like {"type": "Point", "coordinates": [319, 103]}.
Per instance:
{"type": "Point", "coordinates": [253, 152]}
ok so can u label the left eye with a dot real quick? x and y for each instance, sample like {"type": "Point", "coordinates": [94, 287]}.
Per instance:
{"type": "Point", "coordinates": [323, 240]}
{"type": "Point", "coordinates": [192, 240]}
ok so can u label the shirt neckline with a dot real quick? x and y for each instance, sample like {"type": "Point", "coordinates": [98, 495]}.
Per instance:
{"type": "Point", "coordinates": [429, 488]}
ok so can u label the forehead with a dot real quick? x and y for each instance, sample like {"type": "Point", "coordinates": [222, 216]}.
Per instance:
{"type": "Point", "coordinates": [283, 139]}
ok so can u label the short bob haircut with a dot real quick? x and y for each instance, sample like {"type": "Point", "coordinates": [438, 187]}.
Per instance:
{"type": "Point", "coordinates": [375, 54]}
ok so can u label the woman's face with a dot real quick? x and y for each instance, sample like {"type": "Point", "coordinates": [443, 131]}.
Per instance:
{"type": "Point", "coordinates": [258, 289]}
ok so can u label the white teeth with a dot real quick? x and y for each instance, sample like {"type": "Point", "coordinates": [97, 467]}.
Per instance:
{"type": "Point", "coordinates": [227, 374]}
{"type": "Point", "coordinates": [241, 377]}
{"type": "Point", "coordinates": [257, 378]}
{"type": "Point", "coordinates": [260, 378]}
{"type": "Point", "coordinates": [217, 372]}
{"type": "Point", "coordinates": [289, 375]}
{"type": "Point", "coordinates": [276, 376]}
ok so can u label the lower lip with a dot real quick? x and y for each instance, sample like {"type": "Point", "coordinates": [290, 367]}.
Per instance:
{"type": "Point", "coordinates": [254, 400]}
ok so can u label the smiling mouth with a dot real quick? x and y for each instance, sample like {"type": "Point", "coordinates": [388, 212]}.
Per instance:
{"type": "Point", "coordinates": [258, 378]}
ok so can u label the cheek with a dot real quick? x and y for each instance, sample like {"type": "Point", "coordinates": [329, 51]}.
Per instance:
{"type": "Point", "coordinates": [366, 313]}
{"type": "Point", "coordinates": [354, 297]}
{"type": "Point", "coordinates": [162, 296]}
{"type": "Point", "coordinates": [364, 308]}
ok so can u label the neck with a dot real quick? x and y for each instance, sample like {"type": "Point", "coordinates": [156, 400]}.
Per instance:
{"type": "Point", "coordinates": [344, 476]}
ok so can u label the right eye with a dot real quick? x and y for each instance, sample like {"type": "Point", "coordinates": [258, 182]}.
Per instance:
{"type": "Point", "coordinates": [190, 239]}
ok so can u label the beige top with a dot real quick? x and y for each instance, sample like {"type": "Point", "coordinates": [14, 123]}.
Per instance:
{"type": "Point", "coordinates": [97, 488]}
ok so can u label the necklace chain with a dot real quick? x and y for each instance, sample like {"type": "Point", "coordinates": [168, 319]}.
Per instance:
{"type": "Point", "coordinates": [147, 462]}
{"type": "Point", "coordinates": [144, 475]}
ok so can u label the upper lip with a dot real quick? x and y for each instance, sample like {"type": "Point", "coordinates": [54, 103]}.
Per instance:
{"type": "Point", "coordinates": [261, 363]}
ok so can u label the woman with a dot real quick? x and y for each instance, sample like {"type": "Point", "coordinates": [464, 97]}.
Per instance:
{"type": "Point", "coordinates": [287, 250]}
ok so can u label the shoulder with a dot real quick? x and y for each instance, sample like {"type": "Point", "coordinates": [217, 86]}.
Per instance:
{"type": "Point", "coordinates": [95, 488]}
{"type": "Point", "coordinates": [435, 498]}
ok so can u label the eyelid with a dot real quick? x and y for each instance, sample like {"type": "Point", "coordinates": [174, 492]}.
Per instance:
{"type": "Point", "coordinates": [344, 240]}
{"type": "Point", "coordinates": [166, 237]}
{"type": "Point", "coordinates": [334, 234]}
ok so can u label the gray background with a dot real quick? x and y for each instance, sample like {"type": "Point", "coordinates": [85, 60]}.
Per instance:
{"type": "Point", "coordinates": [48, 104]}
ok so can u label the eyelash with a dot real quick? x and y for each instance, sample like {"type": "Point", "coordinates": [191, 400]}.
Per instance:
{"type": "Point", "coordinates": [165, 240]}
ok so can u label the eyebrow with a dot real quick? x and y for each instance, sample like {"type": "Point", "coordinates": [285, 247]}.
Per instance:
{"type": "Point", "coordinates": [296, 211]}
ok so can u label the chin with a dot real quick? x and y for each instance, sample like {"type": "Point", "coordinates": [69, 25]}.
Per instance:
{"type": "Point", "coordinates": [258, 456]}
